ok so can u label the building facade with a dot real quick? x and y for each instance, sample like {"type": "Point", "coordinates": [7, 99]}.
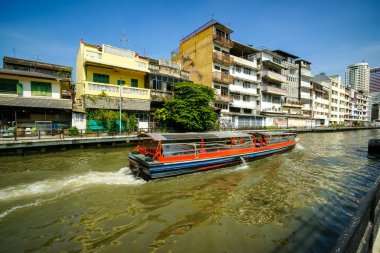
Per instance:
{"type": "Point", "coordinates": [229, 67]}
{"type": "Point", "coordinates": [374, 80]}
{"type": "Point", "coordinates": [106, 74]}
{"type": "Point", "coordinates": [35, 95]}
{"type": "Point", "coordinates": [357, 76]}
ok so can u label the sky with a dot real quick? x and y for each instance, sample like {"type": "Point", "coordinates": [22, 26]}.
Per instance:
{"type": "Point", "coordinates": [330, 34]}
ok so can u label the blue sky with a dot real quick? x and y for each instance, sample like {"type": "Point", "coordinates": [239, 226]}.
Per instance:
{"type": "Point", "coordinates": [330, 34]}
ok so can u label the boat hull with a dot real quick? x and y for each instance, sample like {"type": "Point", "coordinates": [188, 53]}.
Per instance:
{"type": "Point", "coordinates": [155, 170]}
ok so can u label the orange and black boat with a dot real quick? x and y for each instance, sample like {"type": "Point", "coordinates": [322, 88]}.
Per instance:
{"type": "Point", "coordinates": [162, 155]}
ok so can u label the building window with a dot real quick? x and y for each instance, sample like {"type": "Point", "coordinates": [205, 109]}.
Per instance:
{"type": "Point", "coordinates": [221, 106]}
{"type": "Point", "coordinates": [234, 109]}
{"type": "Point", "coordinates": [223, 91]}
{"type": "Point", "coordinates": [247, 71]}
{"type": "Point", "coordinates": [238, 69]}
{"type": "Point", "coordinates": [246, 98]}
{"type": "Point", "coordinates": [134, 83]}
{"type": "Point", "coordinates": [276, 60]}
{"type": "Point", "coordinates": [120, 82]}
{"type": "Point", "coordinates": [8, 86]}
{"type": "Point", "coordinates": [101, 78]}
{"type": "Point", "coordinates": [246, 85]}
{"type": "Point", "coordinates": [217, 48]}
{"type": "Point", "coordinates": [235, 96]}
{"type": "Point", "coordinates": [248, 111]}
{"type": "Point", "coordinates": [41, 89]}
{"type": "Point", "coordinates": [216, 67]}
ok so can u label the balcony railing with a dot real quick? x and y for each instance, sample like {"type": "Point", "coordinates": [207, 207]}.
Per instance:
{"type": "Point", "coordinates": [273, 90]}
{"type": "Point", "coordinates": [273, 76]}
{"type": "Point", "coordinates": [306, 84]}
{"type": "Point", "coordinates": [222, 58]}
{"type": "Point", "coordinates": [160, 95]}
{"type": "Point", "coordinates": [223, 40]}
{"type": "Point", "coordinates": [305, 95]}
{"type": "Point", "coordinates": [305, 72]}
{"type": "Point", "coordinates": [224, 98]}
{"type": "Point", "coordinates": [244, 62]}
{"type": "Point", "coordinates": [112, 90]}
{"type": "Point", "coordinates": [222, 77]}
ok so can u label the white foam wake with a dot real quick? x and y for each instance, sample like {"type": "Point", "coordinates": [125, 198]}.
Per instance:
{"type": "Point", "coordinates": [69, 184]}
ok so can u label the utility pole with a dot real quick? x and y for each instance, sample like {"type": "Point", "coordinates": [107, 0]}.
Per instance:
{"type": "Point", "coordinates": [120, 87]}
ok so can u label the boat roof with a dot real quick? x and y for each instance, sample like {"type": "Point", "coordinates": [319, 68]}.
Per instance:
{"type": "Point", "coordinates": [273, 133]}
{"type": "Point", "coordinates": [193, 136]}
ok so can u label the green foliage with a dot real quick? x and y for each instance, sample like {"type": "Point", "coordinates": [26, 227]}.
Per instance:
{"type": "Point", "coordinates": [109, 119]}
{"type": "Point", "coordinates": [190, 109]}
{"type": "Point", "coordinates": [271, 128]}
{"type": "Point", "coordinates": [73, 131]}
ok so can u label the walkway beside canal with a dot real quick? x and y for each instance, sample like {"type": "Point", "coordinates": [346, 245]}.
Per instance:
{"type": "Point", "coordinates": [61, 141]}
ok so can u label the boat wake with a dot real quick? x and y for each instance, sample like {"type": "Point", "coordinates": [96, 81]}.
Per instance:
{"type": "Point", "coordinates": [243, 165]}
{"type": "Point", "coordinates": [69, 184]}
{"type": "Point", "coordinates": [63, 187]}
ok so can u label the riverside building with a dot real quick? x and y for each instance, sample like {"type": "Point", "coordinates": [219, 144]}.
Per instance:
{"type": "Point", "coordinates": [35, 94]}
{"type": "Point", "coordinates": [357, 76]}
{"type": "Point", "coordinates": [374, 80]}
{"type": "Point", "coordinates": [229, 67]}
{"type": "Point", "coordinates": [107, 75]}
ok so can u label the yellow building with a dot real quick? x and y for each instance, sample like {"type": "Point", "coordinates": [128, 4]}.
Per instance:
{"type": "Point", "coordinates": [106, 73]}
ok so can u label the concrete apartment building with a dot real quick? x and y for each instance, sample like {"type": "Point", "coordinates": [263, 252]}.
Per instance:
{"type": "Point", "coordinates": [320, 104]}
{"type": "Point", "coordinates": [230, 67]}
{"type": "Point", "coordinates": [35, 94]}
{"type": "Point", "coordinates": [357, 76]}
{"type": "Point", "coordinates": [254, 87]}
{"type": "Point", "coordinates": [345, 105]}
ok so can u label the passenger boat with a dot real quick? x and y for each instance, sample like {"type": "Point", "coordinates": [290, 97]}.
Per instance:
{"type": "Point", "coordinates": [162, 155]}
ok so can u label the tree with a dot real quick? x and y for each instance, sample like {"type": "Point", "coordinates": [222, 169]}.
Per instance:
{"type": "Point", "coordinates": [190, 109]}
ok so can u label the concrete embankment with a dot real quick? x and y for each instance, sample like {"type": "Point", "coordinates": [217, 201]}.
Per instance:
{"type": "Point", "coordinates": [28, 145]}
{"type": "Point", "coordinates": [23, 146]}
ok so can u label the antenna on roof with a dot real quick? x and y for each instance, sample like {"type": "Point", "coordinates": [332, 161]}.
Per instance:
{"type": "Point", "coordinates": [14, 53]}
{"type": "Point", "coordinates": [212, 15]}
{"type": "Point", "coordinates": [123, 39]}
{"type": "Point", "coordinates": [144, 52]}
{"type": "Point", "coordinates": [37, 56]}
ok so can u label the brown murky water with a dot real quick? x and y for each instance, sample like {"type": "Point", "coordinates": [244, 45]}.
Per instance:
{"type": "Point", "coordinates": [87, 201]}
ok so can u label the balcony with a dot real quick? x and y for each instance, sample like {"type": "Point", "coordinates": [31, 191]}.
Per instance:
{"type": "Point", "coordinates": [224, 98]}
{"type": "Point", "coordinates": [223, 41]}
{"type": "Point", "coordinates": [306, 84]}
{"type": "Point", "coordinates": [273, 90]}
{"type": "Point", "coordinates": [245, 63]}
{"type": "Point", "coordinates": [305, 95]}
{"type": "Point", "coordinates": [273, 76]}
{"type": "Point", "coordinates": [305, 72]}
{"type": "Point", "coordinates": [160, 95]}
{"type": "Point", "coordinates": [116, 57]}
{"type": "Point", "coordinates": [112, 90]}
{"type": "Point", "coordinates": [242, 90]}
{"type": "Point", "coordinates": [222, 77]}
{"type": "Point", "coordinates": [222, 58]}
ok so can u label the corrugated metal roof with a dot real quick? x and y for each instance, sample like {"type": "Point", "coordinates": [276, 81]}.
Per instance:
{"type": "Point", "coordinates": [35, 102]}
{"type": "Point", "coordinates": [32, 74]}
{"type": "Point", "coordinates": [193, 136]}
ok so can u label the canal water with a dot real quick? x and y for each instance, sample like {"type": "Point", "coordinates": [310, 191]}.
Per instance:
{"type": "Point", "coordinates": [87, 201]}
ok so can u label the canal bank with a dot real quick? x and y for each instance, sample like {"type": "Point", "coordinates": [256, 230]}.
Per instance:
{"type": "Point", "coordinates": [25, 145]}
{"type": "Point", "coordinates": [298, 201]}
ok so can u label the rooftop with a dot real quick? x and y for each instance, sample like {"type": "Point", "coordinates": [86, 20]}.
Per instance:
{"type": "Point", "coordinates": [35, 64]}
{"type": "Point", "coordinates": [32, 74]}
{"type": "Point", "coordinates": [285, 54]}
{"type": "Point", "coordinates": [212, 22]}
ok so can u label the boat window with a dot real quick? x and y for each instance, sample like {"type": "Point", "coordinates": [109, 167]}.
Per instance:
{"type": "Point", "coordinates": [178, 149]}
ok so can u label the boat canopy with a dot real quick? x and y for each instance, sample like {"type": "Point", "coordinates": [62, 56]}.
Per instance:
{"type": "Point", "coordinates": [193, 136]}
{"type": "Point", "coordinates": [273, 133]}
